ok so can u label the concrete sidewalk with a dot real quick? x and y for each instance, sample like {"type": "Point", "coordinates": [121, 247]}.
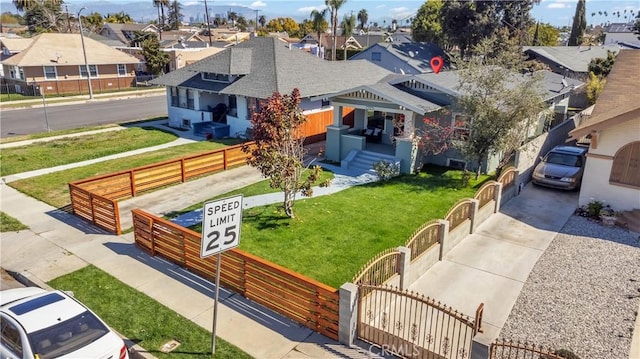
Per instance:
{"type": "Point", "coordinates": [62, 243]}
{"type": "Point", "coordinates": [70, 100]}
{"type": "Point", "coordinates": [492, 265]}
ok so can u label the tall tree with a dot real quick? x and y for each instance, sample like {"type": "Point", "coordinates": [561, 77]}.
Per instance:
{"type": "Point", "coordinates": [262, 20]}
{"type": "Point", "coordinates": [22, 5]}
{"type": "Point", "coordinates": [93, 22]}
{"type": "Point", "coordinates": [427, 26]}
{"type": "Point", "coordinates": [319, 23]}
{"type": "Point", "coordinates": [334, 6]}
{"type": "Point", "coordinates": [465, 22]}
{"type": "Point", "coordinates": [44, 16]}
{"type": "Point", "coordinates": [363, 17]}
{"type": "Point", "coordinates": [579, 24]}
{"type": "Point", "coordinates": [286, 24]}
{"type": "Point", "coordinates": [547, 35]}
{"type": "Point", "coordinates": [516, 17]}
{"type": "Point", "coordinates": [175, 15]}
{"type": "Point", "coordinates": [161, 20]}
{"type": "Point", "coordinates": [154, 57]}
{"type": "Point", "coordinates": [119, 18]}
{"type": "Point", "coordinates": [278, 149]}
{"type": "Point", "coordinates": [348, 25]}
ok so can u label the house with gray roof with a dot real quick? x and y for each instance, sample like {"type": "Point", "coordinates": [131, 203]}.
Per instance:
{"type": "Point", "coordinates": [622, 34]}
{"type": "Point", "coordinates": [389, 113]}
{"type": "Point", "coordinates": [402, 57]}
{"type": "Point", "coordinates": [570, 61]}
{"type": "Point", "coordinates": [236, 78]}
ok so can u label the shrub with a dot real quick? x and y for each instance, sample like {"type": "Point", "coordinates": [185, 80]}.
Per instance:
{"type": "Point", "coordinates": [594, 207]}
{"type": "Point", "coordinates": [386, 170]}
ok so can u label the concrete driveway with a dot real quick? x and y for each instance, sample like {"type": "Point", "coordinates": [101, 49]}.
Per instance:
{"type": "Point", "coordinates": [492, 265]}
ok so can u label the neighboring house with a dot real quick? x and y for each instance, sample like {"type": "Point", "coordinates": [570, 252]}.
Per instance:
{"type": "Point", "coordinates": [402, 58]}
{"type": "Point", "coordinates": [181, 57]}
{"type": "Point", "coordinates": [570, 61]}
{"type": "Point", "coordinates": [387, 114]}
{"type": "Point", "coordinates": [235, 79]}
{"type": "Point", "coordinates": [126, 33]}
{"type": "Point", "coordinates": [13, 45]}
{"type": "Point", "coordinates": [612, 172]}
{"type": "Point", "coordinates": [56, 63]}
{"type": "Point", "coordinates": [621, 33]}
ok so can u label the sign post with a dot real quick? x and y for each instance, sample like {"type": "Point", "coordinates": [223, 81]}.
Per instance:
{"type": "Point", "coordinates": [221, 223]}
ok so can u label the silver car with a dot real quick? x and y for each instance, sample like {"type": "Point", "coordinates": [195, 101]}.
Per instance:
{"type": "Point", "coordinates": [561, 168]}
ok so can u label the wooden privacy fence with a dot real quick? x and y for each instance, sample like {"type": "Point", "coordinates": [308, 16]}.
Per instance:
{"type": "Point", "coordinates": [515, 350]}
{"type": "Point", "coordinates": [304, 300]}
{"type": "Point", "coordinates": [412, 325]}
{"type": "Point", "coordinates": [96, 199]}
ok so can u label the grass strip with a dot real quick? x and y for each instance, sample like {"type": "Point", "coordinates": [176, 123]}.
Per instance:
{"type": "Point", "coordinates": [141, 318]}
{"type": "Point", "coordinates": [76, 149]}
{"type": "Point", "coordinates": [333, 236]}
{"type": "Point", "coordinates": [53, 188]}
{"type": "Point", "coordinates": [10, 224]}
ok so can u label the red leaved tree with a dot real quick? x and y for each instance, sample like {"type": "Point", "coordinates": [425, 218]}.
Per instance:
{"type": "Point", "coordinates": [279, 150]}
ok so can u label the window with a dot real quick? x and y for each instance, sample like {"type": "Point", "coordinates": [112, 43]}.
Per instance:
{"type": "Point", "coordinates": [11, 338]}
{"type": "Point", "coordinates": [174, 97]}
{"type": "Point", "coordinates": [625, 169]}
{"type": "Point", "coordinates": [190, 101]}
{"type": "Point", "coordinates": [50, 73]}
{"type": "Point", "coordinates": [376, 56]}
{"type": "Point", "coordinates": [215, 77]}
{"type": "Point", "coordinates": [92, 68]}
{"type": "Point", "coordinates": [122, 70]}
{"type": "Point", "coordinates": [233, 105]}
{"type": "Point", "coordinates": [20, 73]}
{"type": "Point", "coordinates": [460, 124]}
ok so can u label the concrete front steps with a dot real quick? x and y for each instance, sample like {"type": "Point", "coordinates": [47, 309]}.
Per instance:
{"type": "Point", "coordinates": [630, 220]}
{"type": "Point", "coordinates": [363, 161]}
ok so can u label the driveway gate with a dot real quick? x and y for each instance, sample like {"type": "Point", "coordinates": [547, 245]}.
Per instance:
{"type": "Point", "coordinates": [414, 326]}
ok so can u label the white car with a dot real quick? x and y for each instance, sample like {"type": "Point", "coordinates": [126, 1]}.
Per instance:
{"type": "Point", "coordinates": [40, 324]}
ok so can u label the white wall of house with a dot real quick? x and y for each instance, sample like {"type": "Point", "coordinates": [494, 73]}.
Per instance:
{"type": "Point", "coordinates": [595, 183]}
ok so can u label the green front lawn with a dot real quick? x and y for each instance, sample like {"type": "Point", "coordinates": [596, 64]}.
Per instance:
{"type": "Point", "coordinates": [76, 149]}
{"type": "Point", "coordinates": [10, 224]}
{"type": "Point", "coordinates": [333, 236]}
{"type": "Point", "coordinates": [53, 188]}
{"type": "Point", "coordinates": [140, 318]}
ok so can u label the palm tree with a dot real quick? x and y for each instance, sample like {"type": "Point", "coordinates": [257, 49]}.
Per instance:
{"type": "Point", "coordinates": [363, 16]}
{"type": "Point", "coordinates": [348, 25]}
{"type": "Point", "coordinates": [262, 20]}
{"type": "Point", "coordinates": [233, 16]}
{"type": "Point", "coordinates": [161, 4]}
{"type": "Point", "coordinates": [22, 5]}
{"type": "Point", "coordinates": [334, 6]}
{"type": "Point", "coordinates": [319, 23]}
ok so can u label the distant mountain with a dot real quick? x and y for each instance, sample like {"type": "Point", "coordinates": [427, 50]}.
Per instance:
{"type": "Point", "coordinates": [144, 11]}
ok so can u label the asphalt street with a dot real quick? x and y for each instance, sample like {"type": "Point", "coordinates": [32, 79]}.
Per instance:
{"type": "Point", "coordinates": [62, 116]}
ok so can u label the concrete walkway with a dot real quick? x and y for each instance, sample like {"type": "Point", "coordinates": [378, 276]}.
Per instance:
{"type": "Point", "coordinates": [492, 265]}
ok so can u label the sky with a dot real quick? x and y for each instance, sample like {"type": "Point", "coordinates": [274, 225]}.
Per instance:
{"type": "Point", "coordinates": [555, 12]}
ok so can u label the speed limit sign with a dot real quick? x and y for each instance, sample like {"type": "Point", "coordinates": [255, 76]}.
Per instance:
{"type": "Point", "coordinates": [221, 224]}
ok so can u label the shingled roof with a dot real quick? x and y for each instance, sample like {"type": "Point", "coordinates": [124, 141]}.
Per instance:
{"type": "Point", "coordinates": [66, 49]}
{"type": "Point", "coordinates": [267, 65]}
{"type": "Point", "coordinates": [619, 100]}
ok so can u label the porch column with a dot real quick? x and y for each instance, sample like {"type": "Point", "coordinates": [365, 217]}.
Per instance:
{"type": "Point", "coordinates": [337, 115]}
{"type": "Point", "coordinates": [333, 142]}
{"type": "Point", "coordinates": [407, 151]}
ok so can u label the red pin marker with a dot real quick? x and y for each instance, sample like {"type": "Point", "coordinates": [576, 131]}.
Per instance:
{"type": "Point", "coordinates": [436, 63]}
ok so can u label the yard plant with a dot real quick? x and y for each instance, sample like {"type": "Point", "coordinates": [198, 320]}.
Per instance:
{"type": "Point", "coordinates": [140, 318]}
{"type": "Point", "coordinates": [333, 236]}
{"type": "Point", "coordinates": [10, 224]}
{"type": "Point", "coordinates": [75, 149]}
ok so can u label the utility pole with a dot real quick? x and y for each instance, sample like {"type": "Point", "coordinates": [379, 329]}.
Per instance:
{"type": "Point", "coordinates": [66, 8]}
{"type": "Point", "coordinates": [256, 10]}
{"type": "Point", "coordinates": [206, 14]}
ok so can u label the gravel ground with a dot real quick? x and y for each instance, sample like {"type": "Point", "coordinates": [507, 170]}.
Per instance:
{"type": "Point", "coordinates": [582, 294]}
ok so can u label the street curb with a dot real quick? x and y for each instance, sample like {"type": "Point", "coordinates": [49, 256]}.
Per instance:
{"type": "Point", "coordinates": [135, 351]}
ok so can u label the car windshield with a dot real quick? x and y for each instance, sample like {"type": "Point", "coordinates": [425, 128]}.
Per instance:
{"type": "Point", "coordinates": [564, 159]}
{"type": "Point", "coordinates": [68, 336]}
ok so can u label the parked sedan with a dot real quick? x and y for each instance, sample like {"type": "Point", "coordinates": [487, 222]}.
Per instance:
{"type": "Point", "coordinates": [561, 168]}
{"type": "Point", "coordinates": [40, 324]}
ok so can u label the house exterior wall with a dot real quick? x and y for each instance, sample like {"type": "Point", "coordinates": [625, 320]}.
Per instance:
{"type": "Point", "coordinates": [595, 183]}
{"type": "Point", "coordinates": [69, 81]}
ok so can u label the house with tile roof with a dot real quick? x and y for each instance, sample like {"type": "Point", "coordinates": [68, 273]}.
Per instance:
{"type": "Point", "coordinates": [612, 171]}
{"type": "Point", "coordinates": [238, 77]}
{"type": "Point", "coordinates": [56, 63]}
